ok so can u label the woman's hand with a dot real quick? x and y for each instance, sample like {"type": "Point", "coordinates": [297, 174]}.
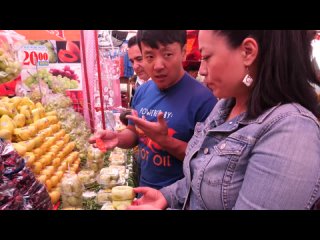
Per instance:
{"type": "Point", "coordinates": [152, 199]}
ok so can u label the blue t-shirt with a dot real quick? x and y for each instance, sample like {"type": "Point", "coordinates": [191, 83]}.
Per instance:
{"type": "Point", "coordinates": [183, 105]}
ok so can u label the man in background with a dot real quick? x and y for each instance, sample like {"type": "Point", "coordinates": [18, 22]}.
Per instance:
{"type": "Point", "coordinates": [135, 58]}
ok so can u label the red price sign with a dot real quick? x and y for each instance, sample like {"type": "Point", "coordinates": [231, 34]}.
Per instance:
{"type": "Point", "coordinates": [34, 55]}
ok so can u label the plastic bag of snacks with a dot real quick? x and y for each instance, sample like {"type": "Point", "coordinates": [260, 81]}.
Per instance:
{"type": "Point", "coordinates": [10, 66]}
{"type": "Point", "coordinates": [87, 177]}
{"type": "Point", "coordinates": [95, 159]}
{"type": "Point", "coordinates": [19, 189]}
{"type": "Point", "coordinates": [109, 178]}
{"type": "Point", "coordinates": [122, 197]}
{"type": "Point", "coordinates": [104, 196]}
{"type": "Point", "coordinates": [71, 190]}
{"type": "Point", "coordinates": [108, 206]}
{"type": "Point", "coordinates": [118, 158]}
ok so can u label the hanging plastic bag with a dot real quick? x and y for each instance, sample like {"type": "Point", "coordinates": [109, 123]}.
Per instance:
{"type": "Point", "coordinates": [10, 66]}
{"type": "Point", "coordinates": [19, 189]}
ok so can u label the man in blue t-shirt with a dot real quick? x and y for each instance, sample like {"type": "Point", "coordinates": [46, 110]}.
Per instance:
{"type": "Point", "coordinates": [166, 109]}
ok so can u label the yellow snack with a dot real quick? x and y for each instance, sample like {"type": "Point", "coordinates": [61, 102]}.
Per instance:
{"type": "Point", "coordinates": [38, 152]}
{"type": "Point", "coordinates": [4, 110]}
{"type": "Point", "coordinates": [23, 134]}
{"type": "Point", "coordinates": [55, 128]}
{"type": "Point", "coordinates": [48, 184]}
{"type": "Point", "coordinates": [46, 159]}
{"type": "Point", "coordinates": [54, 180]}
{"type": "Point", "coordinates": [48, 132]}
{"type": "Point", "coordinates": [52, 113]}
{"type": "Point", "coordinates": [6, 123]}
{"type": "Point", "coordinates": [66, 138]}
{"type": "Point", "coordinates": [35, 114]}
{"type": "Point", "coordinates": [25, 110]}
{"type": "Point", "coordinates": [42, 123]}
{"type": "Point", "coordinates": [76, 166]}
{"type": "Point", "coordinates": [56, 162]}
{"type": "Point", "coordinates": [38, 140]}
{"type": "Point", "coordinates": [55, 196]}
{"type": "Point", "coordinates": [121, 205]}
{"type": "Point", "coordinates": [11, 108]}
{"type": "Point", "coordinates": [50, 141]}
{"type": "Point", "coordinates": [19, 120]}
{"type": "Point", "coordinates": [52, 119]}
{"type": "Point", "coordinates": [29, 145]}
{"type": "Point", "coordinates": [42, 179]}
{"type": "Point", "coordinates": [46, 172]}
{"type": "Point", "coordinates": [25, 101]}
{"type": "Point", "coordinates": [62, 168]}
{"type": "Point", "coordinates": [6, 134]}
{"type": "Point", "coordinates": [4, 99]}
{"type": "Point", "coordinates": [121, 193]}
{"type": "Point", "coordinates": [39, 105]}
{"type": "Point", "coordinates": [15, 100]}
{"type": "Point", "coordinates": [59, 174]}
{"type": "Point", "coordinates": [30, 158]}
{"type": "Point", "coordinates": [19, 148]}
{"type": "Point", "coordinates": [37, 166]}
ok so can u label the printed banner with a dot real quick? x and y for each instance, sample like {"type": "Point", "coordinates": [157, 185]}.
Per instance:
{"type": "Point", "coordinates": [63, 69]}
{"type": "Point", "coordinates": [58, 35]}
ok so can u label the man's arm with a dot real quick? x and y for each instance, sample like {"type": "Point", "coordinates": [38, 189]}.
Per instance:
{"type": "Point", "coordinates": [127, 138]}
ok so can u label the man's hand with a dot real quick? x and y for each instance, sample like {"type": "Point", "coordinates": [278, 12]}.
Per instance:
{"type": "Point", "coordinates": [108, 138]}
{"type": "Point", "coordinates": [157, 131]}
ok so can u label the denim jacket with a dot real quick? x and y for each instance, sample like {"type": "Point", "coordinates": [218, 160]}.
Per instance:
{"type": "Point", "coordinates": [271, 162]}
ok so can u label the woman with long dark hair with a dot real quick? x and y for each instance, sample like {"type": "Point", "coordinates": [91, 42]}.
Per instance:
{"type": "Point", "coordinates": [259, 147]}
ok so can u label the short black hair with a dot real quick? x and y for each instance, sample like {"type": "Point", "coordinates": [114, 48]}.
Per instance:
{"type": "Point", "coordinates": [191, 66]}
{"type": "Point", "coordinates": [284, 69]}
{"type": "Point", "coordinates": [153, 38]}
{"type": "Point", "coordinates": [132, 41]}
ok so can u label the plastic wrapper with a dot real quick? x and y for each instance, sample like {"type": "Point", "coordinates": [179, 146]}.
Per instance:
{"type": "Point", "coordinates": [109, 178]}
{"type": "Point", "coordinates": [71, 190]}
{"type": "Point", "coordinates": [57, 84]}
{"type": "Point", "coordinates": [89, 201]}
{"type": "Point", "coordinates": [120, 169]}
{"type": "Point", "coordinates": [121, 205]}
{"type": "Point", "coordinates": [104, 196]}
{"type": "Point", "coordinates": [95, 159]}
{"type": "Point", "coordinates": [122, 193]}
{"type": "Point", "coordinates": [19, 189]}
{"type": "Point", "coordinates": [119, 150]}
{"type": "Point", "coordinates": [71, 208]}
{"type": "Point", "coordinates": [118, 158]}
{"type": "Point", "coordinates": [56, 101]}
{"type": "Point", "coordinates": [89, 195]}
{"type": "Point", "coordinates": [87, 177]}
{"type": "Point", "coordinates": [10, 66]}
{"type": "Point", "coordinates": [108, 206]}
{"type": "Point", "coordinates": [37, 91]}
{"type": "Point", "coordinates": [95, 165]}
{"type": "Point", "coordinates": [94, 153]}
